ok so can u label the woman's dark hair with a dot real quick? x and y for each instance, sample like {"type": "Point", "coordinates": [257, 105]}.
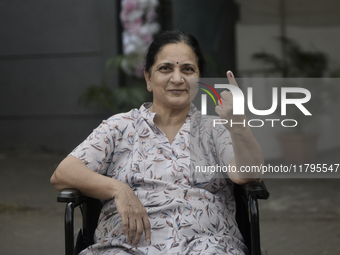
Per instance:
{"type": "Point", "coordinates": [169, 37]}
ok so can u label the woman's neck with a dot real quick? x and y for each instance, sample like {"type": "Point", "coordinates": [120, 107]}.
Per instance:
{"type": "Point", "coordinates": [169, 117]}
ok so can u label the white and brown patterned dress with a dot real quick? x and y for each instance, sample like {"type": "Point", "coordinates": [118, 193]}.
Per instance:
{"type": "Point", "coordinates": [190, 212]}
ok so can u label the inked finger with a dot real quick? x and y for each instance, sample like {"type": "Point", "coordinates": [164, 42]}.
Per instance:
{"type": "Point", "coordinates": [231, 78]}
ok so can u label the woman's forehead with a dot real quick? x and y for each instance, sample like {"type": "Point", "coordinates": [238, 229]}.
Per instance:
{"type": "Point", "coordinates": [178, 52]}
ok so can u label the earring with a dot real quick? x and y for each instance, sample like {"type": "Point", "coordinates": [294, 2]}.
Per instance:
{"type": "Point", "coordinates": [182, 80]}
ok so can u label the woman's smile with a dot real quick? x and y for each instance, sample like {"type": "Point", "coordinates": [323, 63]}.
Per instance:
{"type": "Point", "coordinates": [177, 91]}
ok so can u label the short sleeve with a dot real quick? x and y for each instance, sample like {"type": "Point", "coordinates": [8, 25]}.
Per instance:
{"type": "Point", "coordinates": [97, 150]}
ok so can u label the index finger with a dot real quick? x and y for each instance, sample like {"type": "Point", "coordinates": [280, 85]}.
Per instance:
{"type": "Point", "coordinates": [231, 78]}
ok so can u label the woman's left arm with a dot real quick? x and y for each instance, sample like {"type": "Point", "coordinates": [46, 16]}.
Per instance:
{"type": "Point", "coordinates": [247, 152]}
{"type": "Point", "coordinates": [248, 158]}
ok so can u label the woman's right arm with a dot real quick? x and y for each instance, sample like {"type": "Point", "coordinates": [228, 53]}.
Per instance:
{"type": "Point", "coordinates": [73, 173]}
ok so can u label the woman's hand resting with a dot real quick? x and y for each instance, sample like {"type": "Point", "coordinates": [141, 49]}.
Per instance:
{"type": "Point", "coordinates": [73, 173]}
{"type": "Point", "coordinates": [135, 219]}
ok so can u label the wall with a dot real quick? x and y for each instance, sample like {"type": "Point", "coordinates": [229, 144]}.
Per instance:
{"type": "Point", "coordinates": [50, 51]}
{"type": "Point", "coordinates": [257, 38]}
{"type": "Point", "coordinates": [213, 24]}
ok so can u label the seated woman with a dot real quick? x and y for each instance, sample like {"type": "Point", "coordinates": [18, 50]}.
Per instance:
{"type": "Point", "coordinates": [138, 164]}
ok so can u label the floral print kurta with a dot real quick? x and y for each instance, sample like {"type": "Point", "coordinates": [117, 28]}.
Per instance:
{"type": "Point", "coordinates": [190, 212]}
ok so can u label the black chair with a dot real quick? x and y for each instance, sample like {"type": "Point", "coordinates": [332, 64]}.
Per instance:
{"type": "Point", "coordinates": [247, 216]}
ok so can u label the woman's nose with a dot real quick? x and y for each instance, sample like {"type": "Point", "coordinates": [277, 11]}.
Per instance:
{"type": "Point", "coordinates": [177, 77]}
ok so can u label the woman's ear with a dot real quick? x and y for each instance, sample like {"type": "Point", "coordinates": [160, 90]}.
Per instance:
{"type": "Point", "coordinates": [147, 77]}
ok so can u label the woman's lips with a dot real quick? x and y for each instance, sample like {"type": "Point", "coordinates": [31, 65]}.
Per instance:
{"type": "Point", "coordinates": [177, 91]}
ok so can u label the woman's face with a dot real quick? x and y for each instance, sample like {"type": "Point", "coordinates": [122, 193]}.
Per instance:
{"type": "Point", "coordinates": [169, 79]}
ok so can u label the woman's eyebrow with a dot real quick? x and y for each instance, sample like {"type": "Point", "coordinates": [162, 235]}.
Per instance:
{"type": "Point", "coordinates": [188, 64]}
{"type": "Point", "coordinates": [172, 64]}
{"type": "Point", "coordinates": [166, 64]}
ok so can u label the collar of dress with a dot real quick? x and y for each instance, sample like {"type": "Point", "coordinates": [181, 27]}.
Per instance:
{"type": "Point", "coordinates": [149, 116]}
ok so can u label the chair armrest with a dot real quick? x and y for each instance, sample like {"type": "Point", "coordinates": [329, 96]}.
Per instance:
{"type": "Point", "coordinates": [250, 192]}
{"type": "Point", "coordinates": [257, 189]}
{"type": "Point", "coordinates": [72, 198]}
{"type": "Point", "coordinates": [71, 195]}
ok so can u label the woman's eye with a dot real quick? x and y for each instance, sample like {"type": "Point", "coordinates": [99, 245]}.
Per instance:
{"type": "Point", "coordinates": [188, 69]}
{"type": "Point", "coordinates": [164, 68]}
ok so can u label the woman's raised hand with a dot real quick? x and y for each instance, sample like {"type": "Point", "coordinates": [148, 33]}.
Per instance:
{"type": "Point", "coordinates": [225, 111]}
{"type": "Point", "coordinates": [135, 219]}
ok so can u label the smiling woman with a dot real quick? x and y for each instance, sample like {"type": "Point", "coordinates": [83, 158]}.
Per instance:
{"type": "Point", "coordinates": [140, 164]}
{"type": "Point", "coordinates": [170, 84]}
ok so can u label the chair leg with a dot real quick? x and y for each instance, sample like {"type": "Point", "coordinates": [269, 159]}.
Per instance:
{"type": "Point", "coordinates": [254, 226]}
{"type": "Point", "coordinates": [69, 226]}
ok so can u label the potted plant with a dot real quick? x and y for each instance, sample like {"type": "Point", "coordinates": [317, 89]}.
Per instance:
{"type": "Point", "coordinates": [119, 99]}
{"type": "Point", "coordinates": [300, 145]}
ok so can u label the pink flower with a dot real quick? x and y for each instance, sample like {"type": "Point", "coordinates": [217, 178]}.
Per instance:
{"type": "Point", "coordinates": [151, 15]}
{"type": "Point", "coordinates": [129, 5]}
{"type": "Point", "coordinates": [138, 33]}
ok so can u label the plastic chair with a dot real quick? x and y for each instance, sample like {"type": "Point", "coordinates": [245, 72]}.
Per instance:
{"type": "Point", "coordinates": [247, 216]}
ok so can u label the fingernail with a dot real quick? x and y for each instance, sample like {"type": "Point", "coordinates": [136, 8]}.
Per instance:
{"type": "Point", "coordinates": [148, 241]}
{"type": "Point", "coordinates": [230, 74]}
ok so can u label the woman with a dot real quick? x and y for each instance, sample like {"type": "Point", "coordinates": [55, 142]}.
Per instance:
{"type": "Point", "coordinates": [138, 163]}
